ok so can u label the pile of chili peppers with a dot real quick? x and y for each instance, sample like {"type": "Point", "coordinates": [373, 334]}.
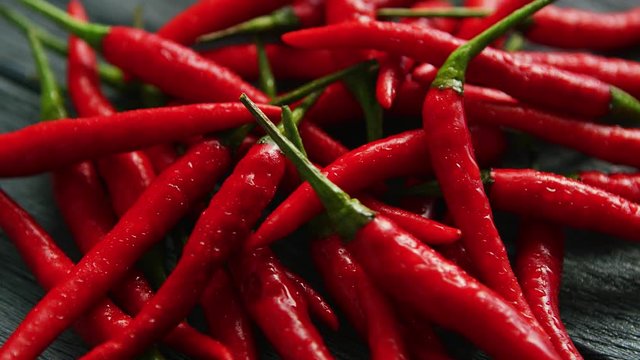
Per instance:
{"type": "Point", "coordinates": [395, 118]}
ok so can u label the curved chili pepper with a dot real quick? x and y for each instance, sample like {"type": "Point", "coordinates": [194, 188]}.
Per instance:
{"type": "Point", "coordinates": [622, 73]}
{"type": "Point", "coordinates": [158, 209]}
{"type": "Point", "coordinates": [176, 70]}
{"type": "Point", "coordinates": [287, 63]}
{"type": "Point", "coordinates": [415, 275]}
{"type": "Point", "coordinates": [365, 306]}
{"type": "Point", "coordinates": [428, 231]}
{"type": "Point", "coordinates": [219, 230]}
{"type": "Point", "coordinates": [277, 305]}
{"type": "Point", "coordinates": [454, 164]}
{"type": "Point", "coordinates": [611, 143]}
{"type": "Point", "coordinates": [395, 156]}
{"type": "Point", "coordinates": [502, 9]}
{"type": "Point", "coordinates": [625, 185]}
{"type": "Point", "coordinates": [583, 29]}
{"type": "Point", "coordinates": [392, 72]}
{"type": "Point", "coordinates": [226, 318]}
{"type": "Point", "coordinates": [539, 269]}
{"type": "Point", "coordinates": [535, 83]}
{"type": "Point", "coordinates": [52, 145]}
{"type": "Point", "coordinates": [206, 16]}
{"type": "Point", "coordinates": [318, 307]}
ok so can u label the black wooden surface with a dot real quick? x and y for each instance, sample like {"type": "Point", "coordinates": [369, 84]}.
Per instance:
{"type": "Point", "coordinates": [601, 283]}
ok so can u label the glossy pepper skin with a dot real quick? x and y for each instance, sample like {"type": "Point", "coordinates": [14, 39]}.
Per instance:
{"type": "Point", "coordinates": [277, 305]}
{"type": "Point", "coordinates": [206, 16]}
{"type": "Point", "coordinates": [365, 306]}
{"type": "Point", "coordinates": [564, 201]}
{"type": "Point", "coordinates": [537, 84]}
{"type": "Point", "coordinates": [539, 268]}
{"type": "Point", "coordinates": [361, 168]}
{"type": "Point", "coordinates": [219, 230]}
{"type": "Point", "coordinates": [582, 29]}
{"type": "Point", "coordinates": [226, 318]}
{"type": "Point", "coordinates": [621, 184]}
{"type": "Point", "coordinates": [159, 208]}
{"type": "Point", "coordinates": [51, 145]}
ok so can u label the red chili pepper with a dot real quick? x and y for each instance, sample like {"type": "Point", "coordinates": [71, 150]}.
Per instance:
{"type": "Point", "coordinates": [539, 269]}
{"type": "Point", "coordinates": [625, 185]}
{"type": "Point", "coordinates": [395, 156]}
{"type": "Point", "coordinates": [226, 318]}
{"type": "Point", "coordinates": [278, 306]}
{"type": "Point", "coordinates": [583, 29]}
{"type": "Point", "coordinates": [320, 146]}
{"type": "Point", "coordinates": [318, 307]}
{"type": "Point", "coordinates": [54, 144]}
{"type": "Point", "coordinates": [287, 63]}
{"type": "Point", "coordinates": [220, 229]}
{"type": "Point", "coordinates": [393, 70]}
{"type": "Point", "coordinates": [538, 84]}
{"type": "Point", "coordinates": [415, 275]}
{"type": "Point", "coordinates": [336, 96]}
{"type": "Point", "coordinates": [502, 9]}
{"type": "Point", "coordinates": [365, 306]}
{"type": "Point", "coordinates": [157, 210]}
{"type": "Point", "coordinates": [176, 70]}
{"type": "Point", "coordinates": [206, 16]}
{"type": "Point", "coordinates": [624, 74]}
{"type": "Point", "coordinates": [161, 156]}
{"type": "Point", "coordinates": [610, 143]}
{"type": "Point", "coordinates": [426, 230]}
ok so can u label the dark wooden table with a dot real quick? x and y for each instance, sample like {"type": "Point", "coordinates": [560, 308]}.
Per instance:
{"type": "Point", "coordinates": [600, 297]}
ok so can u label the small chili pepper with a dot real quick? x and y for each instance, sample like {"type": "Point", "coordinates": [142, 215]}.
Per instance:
{"type": "Point", "coordinates": [417, 276]}
{"type": "Point", "coordinates": [226, 318]}
{"type": "Point", "coordinates": [539, 269]}
{"type": "Point", "coordinates": [537, 84]}
{"type": "Point", "coordinates": [318, 307]}
{"type": "Point", "coordinates": [365, 306]}
{"type": "Point", "coordinates": [428, 231]}
{"type": "Point", "coordinates": [501, 10]}
{"type": "Point", "coordinates": [301, 14]}
{"type": "Point", "coordinates": [622, 73]}
{"type": "Point", "coordinates": [625, 185]}
{"type": "Point", "coordinates": [454, 164]}
{"type": "Point", "coordinates": [52, 145]}
{"type": "Point", "coordinates": [278, 306]}
{"type": "Point", "coordinates": [583, 29]}
{"type": "Point", "coordinates": [161, 205]}
{"type": "Point", "coordinates": [395, 156]}
{"type": "Point", "coordinates": [206, 16]}
{"type": "Point", "coordinates": [288, 63]}
{"type": "Point", "coordinates": [176, 70]}
{"type": "Point", "coordinates": [391, 74]}
{"type": "Point", "coordinates": [611, 143]}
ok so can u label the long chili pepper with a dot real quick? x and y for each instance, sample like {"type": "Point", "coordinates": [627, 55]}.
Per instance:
{"type": "Point", "coordinates": [611, 143]}
{"type": "Point", "coordinates": [535, 83]}
{"type": "Point", "coordinates": [219, 231]}
{"type": "Point", "coordinates": [392, 72]}
{"type": "Point", "coordinates": [365, 306]}
{"type": "Point", "coordinates": [176, 70]}
{"type": "Point", "coordinates": [51, 145]}
{"type": "Point", "coordinates": [417, 276]}
{"type": "Point", "coordinates": [625, 185]}
{"type": "Point", "coordinates": [395, 156]}
{"type": "Point", "coordinates": [161, 205]}
{"type": "Point", "coordinates": [583, 29]}
{"type": "Point", "coordinates": [454, 164]}
{"type": "Point", "coordinates": [557, 199]}
{"type": "Point", "coordinates": [622, 73]}
{"type": "Point", "coordinates": [226, 318]}
{"type": "Point", "coordinates": [278, 306]}
{"type": "Point", "coordinates": [426, 230]}
{"type": "Point", "coordinates": [300, 14]}
{"type": "Point", "coordinates": [539, 268]}
{"type": "Point", "coordinates": [211, 15]}
{"type": "Point", "coordinates": [501, 10]}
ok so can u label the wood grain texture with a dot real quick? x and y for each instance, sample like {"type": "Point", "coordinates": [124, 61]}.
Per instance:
{"type": "Point", "coordinates": [601, 287]}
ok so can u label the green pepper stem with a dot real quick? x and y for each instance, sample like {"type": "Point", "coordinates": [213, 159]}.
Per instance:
{"type": "Point", "coordinates": [362, 86]}
{"type": "Point", "coordinates": [624, 104]}
{"type": "Point", "coordinates": [322, 82]}
{"type": "Point", "coordinates": [347, 214]}
{"type": "Point", "coordinates": [267, 80]}
{"type": "Point", "coordinates": [51, 102]}
{"type": "Point", "coordinates": [290, 130]}
{"type": "Point", "coordinates": [452, 73]}
{"type": "Point", "coordinates": [445, 12]}
{"type": "Point", "coordinates": [91, 33]}
{"type": "Point", "coordinates": [283, 18]}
